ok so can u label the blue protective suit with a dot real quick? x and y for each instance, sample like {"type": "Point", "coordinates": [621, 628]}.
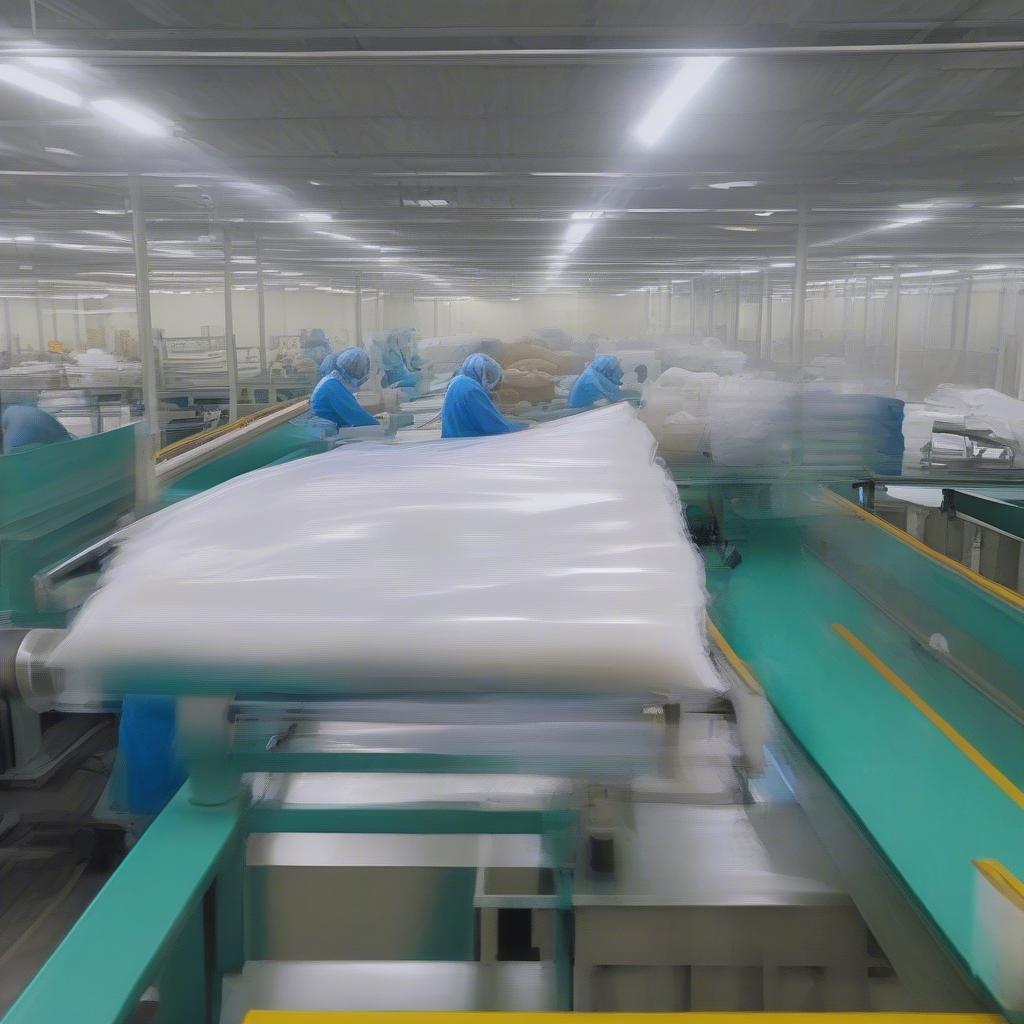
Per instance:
{"type": "Point", "coordinates": [601, 379]}
{"type": "Point", "coordinates": [334, 397]}
{"type": "Point", "coordinates": [468, 409]}
{"type": "Point", "coordinates": [397, 373]}
{"type": "Point", "coordinates": [149, 771]}
{"type": "Point", "coordinates": [24, 425]}
{"type": "Point", "coordinates": [327, 366]}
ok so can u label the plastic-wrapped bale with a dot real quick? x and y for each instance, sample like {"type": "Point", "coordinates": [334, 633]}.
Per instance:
{"type": "Point", "coordinates": [526, 386]}
{"type": "Point", "coordinates": [553, 560]}
{"type": "Point", "coordinates": [751, 422]}
{"type": "Point", "coordinates": [515, 352]}
{"type": "Point", "coordinates": [537, 366]}
{"type": "Point", "coordinates": [677, 391]}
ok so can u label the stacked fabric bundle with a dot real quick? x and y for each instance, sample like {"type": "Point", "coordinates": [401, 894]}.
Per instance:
{"type": "Point", "coordinates": [552, 560]}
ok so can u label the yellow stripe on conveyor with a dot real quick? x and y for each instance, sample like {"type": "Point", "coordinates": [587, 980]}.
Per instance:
{"type": "Point", "coordinates": [441, 1017]}
{"type": "Point", "coordinates": [738, 665]}
{"type": "Point", "coordinates": [1003, 880]}
{"type": "Point", "coordinates": [996, 589]}
{"type": "Point", "coordinates": [186, 443]}
{"type": "Point", "coordinates": [964, 746]}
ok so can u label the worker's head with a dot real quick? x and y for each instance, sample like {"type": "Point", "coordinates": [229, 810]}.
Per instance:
{"type": "Point", "coordinates": [352, 365]}
{"type": "Point", "coordinates": [483, 369]}
{"type": "Point", "coordinates": [609, 367]}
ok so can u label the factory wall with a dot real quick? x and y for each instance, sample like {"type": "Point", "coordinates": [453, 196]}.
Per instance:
{"type": "Point", "coordinates": [947, 331]}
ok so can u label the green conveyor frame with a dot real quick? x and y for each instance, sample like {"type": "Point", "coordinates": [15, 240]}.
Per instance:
{"type": "Point", "coordinates": [929, 763]}
{"type": "Point", "coordinates": [293, 439]}
{"type": "Point", "coordinates": [54, 501]}
{"type": "Point", "coordinates": [927, 760]}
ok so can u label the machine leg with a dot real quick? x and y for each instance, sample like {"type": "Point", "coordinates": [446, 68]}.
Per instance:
{"type": "Point", "coordinates": [488, 935]}
{"type": "Point", "coordinates": [229, 903]}
{"type": "Point", "coordinates": [183, 981]}
{"type": "Point", "coordinates": [206, 742]}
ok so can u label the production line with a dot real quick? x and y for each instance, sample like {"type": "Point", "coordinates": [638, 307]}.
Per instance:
{"type": "Point", "coordinates": [747, 853]}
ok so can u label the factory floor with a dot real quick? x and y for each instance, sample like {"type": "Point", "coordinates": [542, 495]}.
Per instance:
{"type": "Point", "coordinates": [53, 861]}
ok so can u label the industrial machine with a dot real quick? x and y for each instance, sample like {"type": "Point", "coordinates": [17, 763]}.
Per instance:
{"type": "Point", "coordinates": [842, 832]}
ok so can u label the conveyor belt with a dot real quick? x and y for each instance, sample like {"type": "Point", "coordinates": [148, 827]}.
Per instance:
{"type": "Point", "coordinates": [929, 806]}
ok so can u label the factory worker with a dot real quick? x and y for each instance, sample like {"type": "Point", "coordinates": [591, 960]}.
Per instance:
{"type": "Point", "coordinates": [23, 426]}
{"type": "Point", "coordinates": [315, 346]}
{"type": "Point", "coordinates": [407, 346]}
{"type": "Point", "coordinates": [334, 397]}
{"type": "Point", "coordinates": [469, 410]}
{"type": "Point", "coordinates": [601, 379]}
{"type": "Point", "coordinates": [397, 372]}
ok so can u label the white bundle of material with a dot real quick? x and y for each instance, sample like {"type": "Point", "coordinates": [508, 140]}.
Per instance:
{"type": "Point", "coordinates": [702, 355]}
{"type": "Point", "coordinates": [676, 406]}
{"type": "Point", "coordinates": [981, 409]}
{"type": "Point", "coordinates": [552, 560]}
{"type": "Point", "coordinates": [449, 351]}
{"type": "Point", "coordinates": [750, 421]}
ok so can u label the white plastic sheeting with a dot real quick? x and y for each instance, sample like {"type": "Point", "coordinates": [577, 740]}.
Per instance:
{"type": "Point", "coordinates": [551, 560]}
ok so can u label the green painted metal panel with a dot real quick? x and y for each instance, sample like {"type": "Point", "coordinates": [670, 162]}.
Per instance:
{"type": "Point", "coordinates": [55, 500]}
{"type": "Point", "coordinates": [292, 440]}
{"type": "Point", "coordinates": [983, 631]}
{"type": "Point", "coordinates": [123, 939]}
{"type": "Point", "coordinates": [994, 510]}
{"type": "Point", "coordinates": [929, 809]}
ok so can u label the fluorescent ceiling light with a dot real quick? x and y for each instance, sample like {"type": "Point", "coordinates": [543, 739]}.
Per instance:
{"type": "Point", "coordinates": [131, 117]}
{"type": "Point", "coordinates": [31, 82]}
{"type": "Point", "coordinates": [424, 202]}
{"type": "Point", "coordinates": [587, 214]}
{"type": "Point", "coordinates": [314, 182]}
{"type": "Point", "coordinates": [692, 75]}
{"type": "Point", "coordinates": [734, 227]}
{"type": "Point", "coordinates": [779, 266]}
{"type": "Point", "coordinates": [336, 235]}
{"type": "Point", "coordinates": [577, 174]}
{"type": "Point", "coordinates": [931, 273]}
{"type": "Point", "coordinates": [906, 222]}
{"type": "Point", "coordinates": [733, 184]}
{"type": "Point", "coordinates": [575, 233]}
{"type": "Point", "coordinates": [186, 185]}
{"type": "Point", "coordinates": [992, 266]}
{"type": "Point", "coordinates": [884, 277]}
{"type": "Point", "coordinates": [291, 273]}
{"type": "Point", "coordinates": [314, 216]}
{"type": "Point", "coordinates": [292, 287]}
{"type": "Point", "coordinates": [110, 213]}
{"type": "Point", "coordinates": [24, 238]}
{"type": "Point", "coordinates": [60, 151]}
{"type": "Point", "coordinates": [764, 213]}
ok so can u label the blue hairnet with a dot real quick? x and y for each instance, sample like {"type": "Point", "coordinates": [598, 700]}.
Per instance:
{"type": "Point", "coordinates": [609, 367]}
{"type": "Point", "coordinates": [352, 365]}
{"type": "Point", "coordinates": [483, 369]}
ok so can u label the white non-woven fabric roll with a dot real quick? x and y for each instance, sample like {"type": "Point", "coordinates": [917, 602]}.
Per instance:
{"type": "Point", "coordinates": [550, 560]}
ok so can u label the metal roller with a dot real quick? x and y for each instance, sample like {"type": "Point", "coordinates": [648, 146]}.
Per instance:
{"type": "Point", "coordinates": [24, 670]}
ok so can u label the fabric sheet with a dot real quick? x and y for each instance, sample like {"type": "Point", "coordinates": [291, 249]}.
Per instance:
{"type": "Point", "coordinates": [552, 560]}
